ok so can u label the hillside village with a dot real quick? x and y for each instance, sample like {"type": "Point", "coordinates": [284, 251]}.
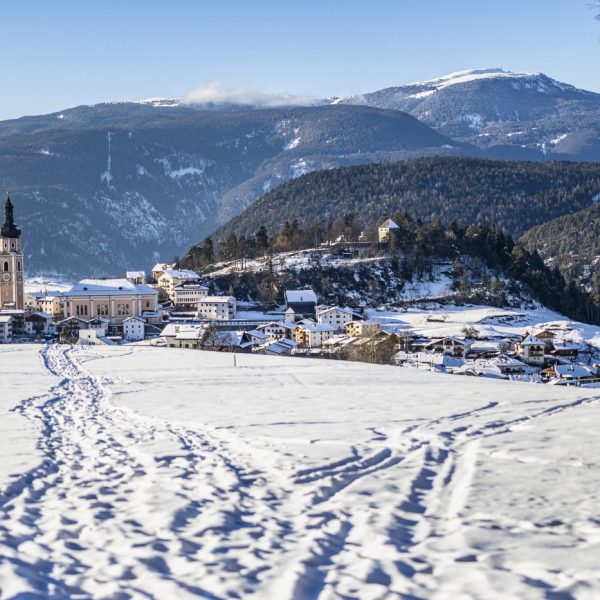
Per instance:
{"type": "Point", "coordinates": [178, 308]}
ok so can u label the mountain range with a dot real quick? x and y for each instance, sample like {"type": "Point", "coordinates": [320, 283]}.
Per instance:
{"type": "Point", "coordinates": [102, 188]}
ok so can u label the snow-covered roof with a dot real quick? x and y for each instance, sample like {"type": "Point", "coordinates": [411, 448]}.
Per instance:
{"type": "Point", "coordinates": [300, 296]}
{"type": "Point", "coordinates": [389, 224]}
{"type": "Point", "coordinates": [133, 318]}
{"type": "Point", "coordinates": [257, 334]}
{"type": "Point", "coordinates": [5, 318]}
{"type": "Point", "coordinates": [531, 340]}
{"type": "Point", "coordinates": [181, 274]}
{"type": "Point", "coordinates": [135, 274]}
{"type": "Point", "coordinates": [327, 309]}
{"type": "Point", "coordinates": [318, 327]}
{"type": "Point", "coordinates": [112, 287]}
{"type": "Point", "coordinates": [216, 299]}
{"type": "Point", "coordinates": [161, 267]}
{"type": "Point", "coordinates": [574, 371]}
{"type": "Point", "coordinates": [186, 286]}
{"type": "Point", "coordinates": [39, 313]}
{"type": "Point", "coordinates": [188, 335]}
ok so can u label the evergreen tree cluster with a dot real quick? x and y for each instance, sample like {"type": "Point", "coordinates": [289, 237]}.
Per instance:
{"type": "Point", "coordinates": [514, 195]}
{"type": "Point", "coordinates": [571, 244]}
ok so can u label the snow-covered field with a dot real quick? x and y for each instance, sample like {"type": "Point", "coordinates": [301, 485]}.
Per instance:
{"type": "Point", "coordinates": [148, 472]}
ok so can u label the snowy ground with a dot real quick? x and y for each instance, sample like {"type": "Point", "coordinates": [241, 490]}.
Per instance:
{"type": "Point", "coordinates": [171, 474]}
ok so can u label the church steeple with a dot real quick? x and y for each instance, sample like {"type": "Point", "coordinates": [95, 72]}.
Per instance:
{"type": "Point", "coordinates": [9, 229]}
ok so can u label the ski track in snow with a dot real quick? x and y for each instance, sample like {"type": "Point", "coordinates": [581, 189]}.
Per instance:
{"type": "Point", "coordinates": [109, 514]}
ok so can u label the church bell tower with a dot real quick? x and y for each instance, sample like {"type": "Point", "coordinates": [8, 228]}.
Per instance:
{"type": "Point", "coordinates": [11, 261]}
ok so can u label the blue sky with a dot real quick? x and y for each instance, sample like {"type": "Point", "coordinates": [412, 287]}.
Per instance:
{"type": "Point", "coordinates": [64, 53]}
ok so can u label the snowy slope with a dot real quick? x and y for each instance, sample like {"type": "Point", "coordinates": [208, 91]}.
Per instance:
{"type": "Point", "coordinates": [174, 474]}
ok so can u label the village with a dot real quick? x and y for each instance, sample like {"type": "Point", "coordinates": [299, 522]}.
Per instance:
{"type": "Point", "coordinates": [173, 308]}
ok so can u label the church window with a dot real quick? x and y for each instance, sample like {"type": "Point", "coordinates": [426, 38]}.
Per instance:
{"type": "Point", "coordinates": [102, 310]}
{"type": "Point", "coordinates": [12, 245]}
{"type": "Point", "coordinates": [5, 266]}
{"type": "Point", "coordinates": [82, 310]}
{"type": "Point", "coordinates": [18, 265]}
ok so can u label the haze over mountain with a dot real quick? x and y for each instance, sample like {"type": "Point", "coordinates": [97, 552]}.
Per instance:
{"type": "Point", "coordinates": [119, 185]}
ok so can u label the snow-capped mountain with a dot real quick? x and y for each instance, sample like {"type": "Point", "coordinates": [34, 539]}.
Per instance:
{"type": "Point", "coordinates": [512, 114]}
{"type": "Point", "coordinates": [105, 187]}
{"type": "Point", "coordinates": [99, 189]}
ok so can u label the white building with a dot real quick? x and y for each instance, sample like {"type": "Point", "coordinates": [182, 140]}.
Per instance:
{"type": "Point", "coordinates": [171, 278]}
{"type": "Point", "coordinates": [531, 350]}
{"type": "Point", "coordinates": [335, 316]}
{"type": "Point", "coordinates": [362, 328]}
{"type": "Point", "coordinates": [313, 335]}
{"type": "Point", "coordinates": [93, 337]}
{"type": "Point", "coordinates": [187, 295]}
{"type": "Point", "coordinates": [385, 229]}
{"type": "Point", "coordinates": [138, 277]}
{"type": "Point", "coordinates": [217, 308]}
{"type": "Point", "coordinates": [278, 330]}
{"type": "Point", "coordinates": [159, 268]}
{"type": "Point", "coordinates": [133, 329]}
{"type": "Point", "coordinates": [112, 299]}
{"type": "Point", "coordinates": [5, 329]}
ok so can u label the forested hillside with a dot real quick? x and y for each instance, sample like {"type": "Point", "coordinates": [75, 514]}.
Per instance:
{"type": "Point", "coordinates": [487, 266]}
{"type": "Point", "coordinates": [571, 243]}
{"type": "Point", "coordinates": [514, 195]}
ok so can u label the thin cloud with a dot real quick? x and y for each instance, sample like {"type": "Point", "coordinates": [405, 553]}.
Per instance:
{"type": "Point", "coordinates": [214, 93]}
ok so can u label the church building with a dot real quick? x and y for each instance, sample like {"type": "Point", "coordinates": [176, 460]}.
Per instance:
{"type": "Point", "coordinates": [11, 261]}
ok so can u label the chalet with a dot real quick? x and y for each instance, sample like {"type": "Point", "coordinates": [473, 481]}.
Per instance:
{"type": "Point", "coordinates": [312, 335]}
{"type": "Point", "coordinates": [159, 268]}
{"type": "Point", "coordinates": [187, 294]}
{"type": "Point", "coordinates": [531, 350]}
{"type": "Point", "coordinates": [68, 329]}
{"type": "Point", "coordinates": [277, 330]}
{"type": "Point", "coordinates": [387, 228]}
{"type": "Point", "coordinates": [451, 346]}
{"type": "Point", "coordinates": [6, 332]}
{"type": "Point", "coordinates": [335, 316]}
{"type": "Point", "coordinates": [134, 329]}
{"type": "Point", "coordinates": [573, 374]}
{"type": "Point", "coordinates": [302, 302]}
{"type": "Point", "coordinates": [169, 279]}
{"type": "Point", "coordinates": [217, 308]}
{"type": "Point", "coordinates": [508, 365]}
{"type": "Point", "coordinates": [38, 324]}
{"type": "Point", "coordinates": [362, 328]}
{"type": "Point", "coordinates": [256, 336]}
{"type": "Point", "coordinates": [566, 349]}
{"type": "Point", "coordinates": [547, 336]}
{"type": "Point", "coordinates": [278, 347]}
{"type": "Point", "coordinates": [188, 338]}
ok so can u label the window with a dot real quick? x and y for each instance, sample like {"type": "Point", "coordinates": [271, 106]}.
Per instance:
{"type": "Point", "coordinates": [5, 266]}
{"type": "Point", "coordinates": [122, 309]}
{"type": "Point", "coordinates": [81, 310]}
{"type": "Point", "coordinates": [102, 310]}
{"type": "Point", "coordinates": [147, 303]}
{"type": "Point", "coordinates": [18, 265]}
